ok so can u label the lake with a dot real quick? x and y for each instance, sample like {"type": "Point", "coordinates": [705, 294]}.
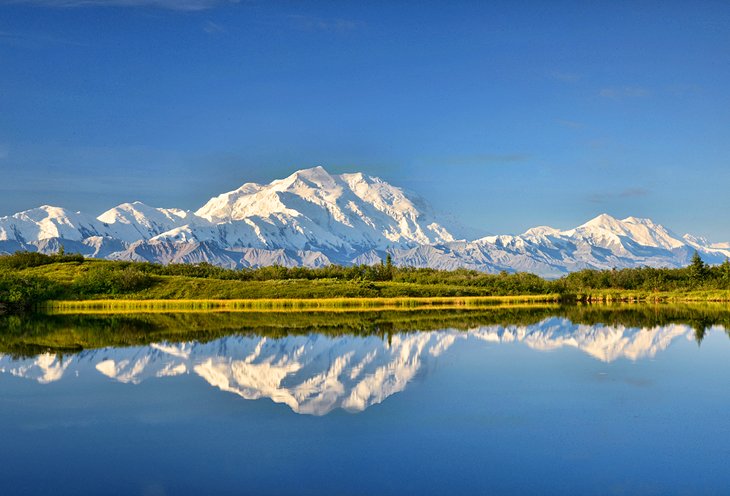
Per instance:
{"type": "Point", "coordinates": [544, 400]}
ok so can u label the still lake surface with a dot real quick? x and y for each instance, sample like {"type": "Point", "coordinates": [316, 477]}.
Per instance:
{"type": "Point", "coordinates": [549, 401]}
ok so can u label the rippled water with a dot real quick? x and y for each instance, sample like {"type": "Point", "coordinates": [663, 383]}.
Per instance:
{"type": "Point", "coordinates": [609, 402]}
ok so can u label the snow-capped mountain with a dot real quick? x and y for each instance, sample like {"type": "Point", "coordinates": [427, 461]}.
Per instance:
{"type": "Point", "coordinates": [131, 222]}
{"type": "Point", "coordinates": [47, 222]}
{"type": "Point", "coordinates": [314, 218]}
{"type": "Point", "coordinates": [315, 374]}
{"type": "Point", "coordinates": [311, 207]}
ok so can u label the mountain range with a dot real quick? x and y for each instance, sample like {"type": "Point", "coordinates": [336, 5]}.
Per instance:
{"type": "Point", "coordinates": [315, 374]}
{"type": "Point", "coordinates": [314, 218]}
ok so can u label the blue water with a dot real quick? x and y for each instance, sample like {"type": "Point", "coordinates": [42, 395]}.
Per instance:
{"type": "Point", "coordinates": [551, 408]}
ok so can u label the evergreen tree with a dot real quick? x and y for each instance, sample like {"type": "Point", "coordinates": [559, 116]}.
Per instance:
{"type": "Point", "coordinates": [697, 268]}
{"type": "Point", "coordinates": [386, 271]}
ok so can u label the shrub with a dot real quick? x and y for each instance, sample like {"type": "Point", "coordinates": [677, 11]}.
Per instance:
{"type": "Point", "coordinates": [22, 292]}
{"type": "Point", "coordinates": [105, 280]}
{"type": "Point", "coordinates": [25, 259]}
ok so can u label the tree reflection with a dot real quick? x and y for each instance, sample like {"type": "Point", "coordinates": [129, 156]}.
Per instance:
{"type": "Point", "coordinates": [31, 334]}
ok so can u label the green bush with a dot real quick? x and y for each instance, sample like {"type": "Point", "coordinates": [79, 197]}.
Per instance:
{"type": "Point", "coordinates": [25, 259]}
{"type": "Point", "coordinates": [106, 280]}
{"type": "Point", "coordinates": [22, 292]}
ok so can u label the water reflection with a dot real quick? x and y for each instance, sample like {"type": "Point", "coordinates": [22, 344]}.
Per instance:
{"type": "Point", "coordinates": [315, 373]}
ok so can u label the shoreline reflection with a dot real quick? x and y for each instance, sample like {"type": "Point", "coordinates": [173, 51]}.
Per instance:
{"type": "Point", "coordinates": [317, 373]}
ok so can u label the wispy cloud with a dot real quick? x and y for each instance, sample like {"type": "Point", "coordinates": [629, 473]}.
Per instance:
{"type": "Point", "coordinates": [608, 196]}
{"type": "Point", "coordinates": [486, 159]}
{"type": "Point", "coordinates": [620, 93]}
{"type": "Point", "coordinates": [311, 23]}
{"type": "Point", "coordinates": [211, 27]}
{"type": "Point", "coordinates": [161, 4]}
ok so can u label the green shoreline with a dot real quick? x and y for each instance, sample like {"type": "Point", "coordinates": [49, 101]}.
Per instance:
{"type": "Point", "coordinates": [371, 304]}
{"type": "Point", "coordinates": [32, 280]}
{"type": "Point", "coordinates": [297, 304]}
{"type": "Point", "coordinates": [623, 296]}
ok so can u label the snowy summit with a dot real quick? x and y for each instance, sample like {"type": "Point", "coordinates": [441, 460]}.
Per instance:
{"type": "Point", "coordinates": [314, 218]}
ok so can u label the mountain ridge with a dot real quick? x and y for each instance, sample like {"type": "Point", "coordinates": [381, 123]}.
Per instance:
{"type": "Point", "coordinates": [314, 218]}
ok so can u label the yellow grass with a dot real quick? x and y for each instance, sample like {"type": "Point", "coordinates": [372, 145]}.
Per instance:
{"type": "Point", "coordinates": [323, 304]}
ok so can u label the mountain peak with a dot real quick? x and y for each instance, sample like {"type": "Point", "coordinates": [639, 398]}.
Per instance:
{"type": "Point", "coordinates": [48, 210]}
{"type": "Point", "coordinates": [642, 231]}
{"type": "Point", "coordinates": [50, 213]}
{"type": "Point", "coordinates": [313, 217]}
{"type": "Point", "coordinates": [312, 207]}
{"type": "Point", "coordinates": [314, 176]}
{"type": "Point", "coordinates": [602, 220]}
{"type": "Point", "coordinates": [311, 172]}
{"type": "Point", "coordinates": [46, 222]}
{"type": "Point", "coordinates": [317, 169]}
{"type": "Point", "coordinates": [541, 231]}
{"type": "Point", "coordinates": [644, 221]}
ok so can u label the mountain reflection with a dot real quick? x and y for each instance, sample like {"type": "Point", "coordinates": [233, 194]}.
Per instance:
{"type": "Point", "coordinates": [317, 373]}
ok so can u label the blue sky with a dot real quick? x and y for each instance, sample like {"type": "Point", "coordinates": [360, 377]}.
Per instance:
{"type": "Point", "coordinates": [506, 114]}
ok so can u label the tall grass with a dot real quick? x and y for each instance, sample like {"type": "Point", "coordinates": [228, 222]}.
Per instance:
{"type": "Point", "coordinates": [281, 304]}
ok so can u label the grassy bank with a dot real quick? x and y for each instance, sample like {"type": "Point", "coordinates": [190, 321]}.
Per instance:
{"type": "Point", "coordinates": [29, 279]}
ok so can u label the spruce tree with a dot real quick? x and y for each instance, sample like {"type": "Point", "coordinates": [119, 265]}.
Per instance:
{"type": "Point", "coordinates": [697, 268]}
{"type": "Point", "coordinates": [725, 270]}
{"type": "Point", "coordinates": [389, 267]}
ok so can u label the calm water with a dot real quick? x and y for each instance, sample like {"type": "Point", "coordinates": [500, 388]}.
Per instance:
{"type": "Point", "coordinates": [552, 404]}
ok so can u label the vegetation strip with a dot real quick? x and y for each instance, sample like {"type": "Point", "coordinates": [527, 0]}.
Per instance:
{"type": "Point", "coordinates": [27, 280]}
{"type": "Point", "coordinates": [277, 305]}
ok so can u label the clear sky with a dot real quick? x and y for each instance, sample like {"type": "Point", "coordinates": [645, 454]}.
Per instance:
{"type": "Point", "coordinates": [506, 114]}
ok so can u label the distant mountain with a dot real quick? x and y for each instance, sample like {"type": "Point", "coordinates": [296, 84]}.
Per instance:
{"type": "Point", "coordinates": [314, 218]}
{"type": "Point", "coordinates": [315, 374]}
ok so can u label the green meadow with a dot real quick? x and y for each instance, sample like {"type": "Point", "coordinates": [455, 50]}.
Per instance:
{"type": "Point", "coordinates": [73, 283]}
